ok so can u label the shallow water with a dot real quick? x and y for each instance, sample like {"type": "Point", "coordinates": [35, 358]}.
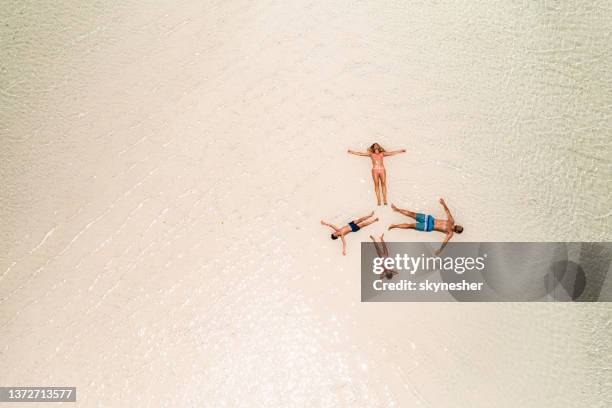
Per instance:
{"type": "Point", "coordinates": [164, 170]}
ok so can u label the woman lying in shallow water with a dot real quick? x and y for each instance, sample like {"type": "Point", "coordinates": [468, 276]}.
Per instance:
{"type": "Point", "coordinates": [379, 175]}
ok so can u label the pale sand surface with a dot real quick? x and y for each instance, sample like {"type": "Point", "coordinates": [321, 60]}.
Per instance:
{"type": "Point", "coordinates": [164, 169]}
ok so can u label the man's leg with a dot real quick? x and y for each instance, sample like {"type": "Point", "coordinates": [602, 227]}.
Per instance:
{"type": "Point", "coordinates": [403, 226]}
{"type": "Point", "coordinates": [407, 213]}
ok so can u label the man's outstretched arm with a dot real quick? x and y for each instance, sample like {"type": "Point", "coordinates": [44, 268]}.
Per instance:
{"type": "Point", "coordinates": [446, 210]}
{"type": "Point", "coordinates": [343, 245]}
{"type": "Point", "coordinates": [448, 238]}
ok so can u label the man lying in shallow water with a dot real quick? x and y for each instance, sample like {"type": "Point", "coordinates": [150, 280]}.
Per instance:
{"type": "Point", "coordinates": [352, 226]}
{"type": "Point", "coordinates": [428, 223]}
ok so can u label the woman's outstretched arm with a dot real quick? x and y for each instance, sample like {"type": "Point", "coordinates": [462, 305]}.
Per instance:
{"type": "Point", "coordinates": [366, 154]}
{"type": "Point", "coordinates": [393, 153]}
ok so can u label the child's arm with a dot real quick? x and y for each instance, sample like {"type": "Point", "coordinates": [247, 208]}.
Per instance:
{"type": "Point", "coordinates": [343, 245]}
{"type": "Point", "coordinates": [448, 237]}
{"type": "Point", "coordinates": [393, 153]}
{"type": "Point", "coordinates": [379, 250]}
{"type": "Point", "coordinates": [446, 210]}
{"type": "Point", "coordinates": [332, 226]}
{"type": "Point", "coordinates": [384, 246]}
{"type": "Point", "coordinates": [366, 154]}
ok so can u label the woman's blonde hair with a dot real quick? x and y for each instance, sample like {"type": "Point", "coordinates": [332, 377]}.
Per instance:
{"type": "Point", "coordinates": [371, 148]}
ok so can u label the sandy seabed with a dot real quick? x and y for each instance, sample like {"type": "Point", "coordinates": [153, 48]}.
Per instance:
{"type": "Point", "coordinates": [164, 168]}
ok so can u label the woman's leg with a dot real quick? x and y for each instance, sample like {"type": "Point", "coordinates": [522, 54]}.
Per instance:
{"type": "Point", "coordinates": [376, 188]}
{"type": "Point", "coordinates": [383, 182]}
{"type": "Point", "coordinates": [403, 226]}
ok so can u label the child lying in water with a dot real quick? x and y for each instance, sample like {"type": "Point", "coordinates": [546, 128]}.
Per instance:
{"type": "Point", "coordinates": [352, 226]}
{"type": "Point", "coordinates": [383, 252]}
{"type": "Point", "coordinates": [428, 223]}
